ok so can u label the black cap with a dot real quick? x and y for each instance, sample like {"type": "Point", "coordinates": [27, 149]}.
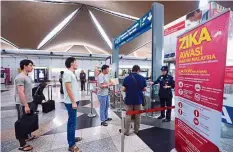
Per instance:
{"type": "Point", "coordinates": [164, 68]}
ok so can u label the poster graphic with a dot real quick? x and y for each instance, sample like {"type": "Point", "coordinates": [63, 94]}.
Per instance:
{"type": "Point", "coordinates": [227, 110]}
{"type": "Point", "coordinates": [200, 54]}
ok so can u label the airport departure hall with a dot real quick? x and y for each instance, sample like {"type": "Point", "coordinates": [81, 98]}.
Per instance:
{"type": "Point", "coordinates": [116, 76]}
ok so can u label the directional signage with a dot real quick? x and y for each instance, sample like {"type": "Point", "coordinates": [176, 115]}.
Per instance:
{"type": "Point", "coordinates": [138, 28]}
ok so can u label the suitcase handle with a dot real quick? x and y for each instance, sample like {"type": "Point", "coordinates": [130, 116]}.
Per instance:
{"type": "Point", "coordinates": [49, 93]}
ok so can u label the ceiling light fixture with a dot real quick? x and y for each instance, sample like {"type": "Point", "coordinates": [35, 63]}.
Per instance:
{"type": "Point", "coordinates": [69, 48]}
{"type": "Point", "coordinates": [80, 44]}
{"type": "Point", "coordinates": [5, 41]}
{"type": "Point", "coordinates": [101, 30]}
{"type": "Point", "coordinates": [88, 49]}
{"type": "Point", "coordinates": [124, 15]}
{"type": "Point", "coordinates": [57, 29]}
{"type": "Point", "coordinates": [116, 13]}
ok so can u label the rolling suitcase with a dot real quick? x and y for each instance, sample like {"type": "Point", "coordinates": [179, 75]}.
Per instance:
{"type": "Point", "coordinates": [49, 105]}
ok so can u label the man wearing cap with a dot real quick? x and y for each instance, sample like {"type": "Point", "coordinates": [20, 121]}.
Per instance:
{"type": "Point", "coordinates": [166, 83]}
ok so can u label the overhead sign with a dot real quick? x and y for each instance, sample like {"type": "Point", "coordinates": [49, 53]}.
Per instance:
{"type": "Point", "coordinates": [138, 28]}
{"type": "Point", "coordinates": [200, 53]}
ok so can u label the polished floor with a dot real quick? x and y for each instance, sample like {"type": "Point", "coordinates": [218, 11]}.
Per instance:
{"type": "Point", "coordinates": [153, 136]}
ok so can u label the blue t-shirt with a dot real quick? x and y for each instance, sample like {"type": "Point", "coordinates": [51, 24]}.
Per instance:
{"type": "Point", "coordinates": [134, 94]}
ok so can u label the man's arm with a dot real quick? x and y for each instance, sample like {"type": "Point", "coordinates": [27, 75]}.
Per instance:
{"type": "Point", "coordinates": [102, 84]}
{"type": "Point", "coordinates": [144, 85]}
{"type": "Point", "coordinates": [70, 93]}
{"type": "Point", "coordinates": [22, 96]}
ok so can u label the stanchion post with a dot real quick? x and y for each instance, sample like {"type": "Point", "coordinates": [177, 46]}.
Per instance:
{"type": "Point", "coordinates": [91, 114]}
{"type": "Point", "coordinates": [123, 114]}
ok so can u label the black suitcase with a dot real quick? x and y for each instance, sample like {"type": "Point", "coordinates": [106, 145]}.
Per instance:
{"type": "Point", "coordinates": [27, 124]}
{"type": "Point", "coordinates": [49, 105]}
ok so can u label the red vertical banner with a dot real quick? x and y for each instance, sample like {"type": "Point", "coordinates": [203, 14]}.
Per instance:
{"type": "Point", "coordinates": [200, 70]}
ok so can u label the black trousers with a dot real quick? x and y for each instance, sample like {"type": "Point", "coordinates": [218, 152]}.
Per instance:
{"type": "Point", "coordinates": [166, 102]}
{"type": "Point", "coordinates": [21, 112]}
{"type": "Point", "coordinates": [82, 85]}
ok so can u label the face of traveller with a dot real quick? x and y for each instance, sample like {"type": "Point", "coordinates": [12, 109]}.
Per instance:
{"type": "Point", "coordinates": [164, 72]}
{"type": "Point", "coordinates": [28, 68]}
{"type": "Point", "coordinates": [74, 65]}
{"type": "Point", "coordinates": [196, 17]}
{"type": "Point", "coordinates": [82, 71]}
{"type": "Point", "coordinates": [106, 71]}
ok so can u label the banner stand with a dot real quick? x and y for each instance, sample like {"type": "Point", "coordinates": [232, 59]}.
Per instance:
{"type": "Point", "coordinates": [200, 53]}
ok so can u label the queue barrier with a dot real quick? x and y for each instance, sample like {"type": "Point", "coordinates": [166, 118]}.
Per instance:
{"type": "Point", "coordinates": [124, 113]}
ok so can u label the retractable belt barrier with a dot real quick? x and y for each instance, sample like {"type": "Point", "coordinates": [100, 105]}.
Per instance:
{"type": "Point", "coordinates": [148, 110]}
{"type": "Point", "coordinates": [135, 113]}
{"type": "Point", "coordinates": [92, 114]}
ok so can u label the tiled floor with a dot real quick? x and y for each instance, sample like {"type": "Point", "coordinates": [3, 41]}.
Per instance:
{"type": "Point", "coordinates": [153, 136]}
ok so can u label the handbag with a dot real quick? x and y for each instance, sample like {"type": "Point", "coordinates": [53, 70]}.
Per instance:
{"type": "Point", "coordinates": [27, 124]}
{"type": "Point", "coordinates": [144, 103]}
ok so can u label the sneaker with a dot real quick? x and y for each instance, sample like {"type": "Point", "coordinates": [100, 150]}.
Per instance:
{"type": "Point", "coordinates": [166, 120]}
{"type": "Point", "coordinates": [109, 119]}
{"type": "Point", "coordinates": [160, 117]}
{"type": "Point", "coordinates": [104, 123]}
{"type": "Point", "coordinates": [125, 133]}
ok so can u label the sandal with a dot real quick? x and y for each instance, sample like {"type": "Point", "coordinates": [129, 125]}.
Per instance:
{"type": "Point", "coordinates": [74, 149]}
{"type": "Point", "coordinates": [26, 148]}
{"type": "Point", "coordinates": [77, 139]}
{"type": "Point", "coordinates": [31, 138]}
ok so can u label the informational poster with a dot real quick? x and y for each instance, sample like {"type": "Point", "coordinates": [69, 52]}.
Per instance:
{"type": "Point", "coordinates": [227, 110]}
{"type": "Point", "coordinates": [200, 67]}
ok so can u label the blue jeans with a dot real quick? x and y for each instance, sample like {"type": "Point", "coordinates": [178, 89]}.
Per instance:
{"type": "Point", "coordinates": [71, 124]}
{"type": "Point", "coordinates": [104, 105]}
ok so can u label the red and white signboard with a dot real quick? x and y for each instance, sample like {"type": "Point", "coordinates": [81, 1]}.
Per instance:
{"type": "Point", "coordinates": [200, 54]}
{"type": "Point", "coordinates": [229, 75]}
{"type": "Point", "coordinates": [174, 28]}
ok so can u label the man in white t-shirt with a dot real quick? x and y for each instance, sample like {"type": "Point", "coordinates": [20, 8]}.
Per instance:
{"type": "Point", "coordinates": [71, 99]}
{"type": "Point", "coordinates": [104, 84]}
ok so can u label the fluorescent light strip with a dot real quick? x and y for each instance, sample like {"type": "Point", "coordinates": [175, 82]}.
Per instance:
{"type": "Point", "coordinates": [5, 41]}
{"type": "Point", "coordinates": [57, 29]}
{"type": "Point", "coordinates": [102, 51]}
{"type": "Point", "coordinates": [88, 49]}
{"type": "Point", "coordinates": [142, 45]}
{"type": "Point", "coordinates": [80, 44]}
{"type": "Point", "coordinates": [124, 15]}
{"type": "Point", "coordinates": [116, 13]}
{"type": "Point", "coordinates": [69, 48]}
{"type": "Point", "coordinates": [101, 30]}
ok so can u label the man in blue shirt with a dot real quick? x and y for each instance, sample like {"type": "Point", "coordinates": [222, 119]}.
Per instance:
{"type": "Point", "coordinates": [134, 85]}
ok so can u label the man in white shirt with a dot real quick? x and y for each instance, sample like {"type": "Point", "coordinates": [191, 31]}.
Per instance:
{"type": "Point", "coordinates": [71, 99]}
{"type": "Point", "coordinates": [104, 84]}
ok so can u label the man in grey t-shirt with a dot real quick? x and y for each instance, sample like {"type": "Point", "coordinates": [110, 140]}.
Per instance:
{"type": "Point", "coordinates": [23, 97]}
{"type": "Point", "coordinates": [103, 84]}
